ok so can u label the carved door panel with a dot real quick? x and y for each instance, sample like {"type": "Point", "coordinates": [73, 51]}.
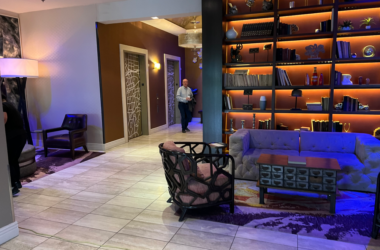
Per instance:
{"type": "Point", "coordinates": [171, 92]}
{"type": "Point", "coordinates": [133, 95]}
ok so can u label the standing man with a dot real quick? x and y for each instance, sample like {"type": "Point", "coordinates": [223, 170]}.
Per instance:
{"type": "Point", "coordinates": [184, 95]}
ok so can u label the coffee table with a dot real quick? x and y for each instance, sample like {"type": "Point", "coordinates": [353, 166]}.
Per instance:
{"type": "Point", "coordinates": [319, 175]}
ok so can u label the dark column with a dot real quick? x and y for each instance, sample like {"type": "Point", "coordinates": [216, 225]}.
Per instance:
{"type": "Point", "coordinates": [212, 30]}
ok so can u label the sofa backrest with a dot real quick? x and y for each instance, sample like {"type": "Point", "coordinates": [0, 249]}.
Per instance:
{"type": "Point", "coordinates": [328, 142]}
{"type": "Point", "coordinates": [274, 139]}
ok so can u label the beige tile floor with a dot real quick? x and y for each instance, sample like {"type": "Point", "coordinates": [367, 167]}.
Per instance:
{"type": "Point", "coordinates": [118, 201]}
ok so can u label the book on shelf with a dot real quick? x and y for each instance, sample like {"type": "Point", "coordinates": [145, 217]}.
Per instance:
{"type": "Point", "coordinates": [325, 26]}
{"type": "Point", "coordinates": [285, 54]}
{"type": "Point", "coordinates": [242, 80]}
{"type": "Point", "coordinates": [227, 102]}
{"type": "Point", "coordinates": [343, 50]}
{"type": "Point", "coordinates": [350, 104]}
{"type": "Point", "coordinates": [265, 124]}
{"type": "Point", "coordinates": [319, 126]}
{"type": "Point", "coordinates": [314, 106]}
{"type": "Point", "coordinates": [337, 126]}
{"type": "Point", "coordinates": [325, 103]}
{"type": "Point", "coordinates": [338, 78]}
{"type": "Point", "coordinates": [282, 78]}
{"type": "Point", "coordinates": [257, 29]}
{"type": "Point", "coordinates": [305, 129]}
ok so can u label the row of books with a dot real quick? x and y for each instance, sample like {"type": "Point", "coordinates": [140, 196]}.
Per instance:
{"type": "Point", "coordinates": [244, 80]}
{"type": "Point", "coordinates": [325, 26]}
{"type": "Point", "coordinates": [318, 126]}
{"type": "Point", "coordinates": [257, 29]}
{"type": "Point", "coordinates": [285, 54]}
{"type": "Point", "coordinates": [265, 124]}
{"type": "Point", "coordinates": [337, 127]}
{"type": "Point", "coordinates": [350, 104]}
{"type": "Point", "coordinates": [319, 106]}
{"type": "Point", "coordinates": [282, 78]}
{"type": "Point", "coordinates": [227, 102]}
{"type": "Point", "coordinates": [284, 29]}
{"type": "Point", "coordinates": [338, 78]}
{"type": "Point", "coordinates": [343, 50]}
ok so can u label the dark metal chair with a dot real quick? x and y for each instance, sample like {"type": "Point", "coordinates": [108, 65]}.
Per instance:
{"type": "Point", "coordinates": [198, 180]}
{"type": "Point", "coordinates": [77, 126]}
{"type": "Point", "coordinates": [376, 215]}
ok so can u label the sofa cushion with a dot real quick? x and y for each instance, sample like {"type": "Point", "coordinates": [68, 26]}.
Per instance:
{"type": "Point", "coordinates": [328, 142]}
{"type": "Point", "coordinates": [353, 174]}
{"type": "Point", "coordinates": [273, 139]}
{"type": "Point", "coordinates": [249, 168]}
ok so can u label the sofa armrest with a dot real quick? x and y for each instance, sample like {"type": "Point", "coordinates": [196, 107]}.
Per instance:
{"type": "Point", "coordinates": [239, 144]}
{"type": "Point", "coordinates": [366, 146]}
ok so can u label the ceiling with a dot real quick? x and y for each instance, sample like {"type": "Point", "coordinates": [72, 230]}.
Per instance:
{"type": "Point", "coordinates": [22, 6]}
{"type": "Point", "coordinates": [175, 26]}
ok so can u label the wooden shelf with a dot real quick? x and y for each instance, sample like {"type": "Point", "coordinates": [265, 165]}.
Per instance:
{"type": "Point", "coordinates": [248, 64]}
{"type": "Point", "coordinates": [250, 87]}
{"type": "Point", "coordinates": [361, 32]}
{"type": "Point", "coordinates": [358, 5]}
{"type": "Point", "coordinates": [247, 111]}
{"type": "Point", "coordinates": [305, 10]}
{"type": "Point", "coordinates": [302, 62]}
{"type": "Point", "coordinates": [358, 60]}
{"type": "Point", "coordinates": [303, 111]}
{"type": "Point", "coordinates": [356, 86]}
{"type": "Point", "coordinates": [361, 112]}
{"type": "Point", "coordinates": [302, 87]}
{"type": "Point", "coordinates": [245, 16]}
{"type": "Point", "coordinates": [295, 37]}
{"type": "Point", "coordinates": [256, 39]}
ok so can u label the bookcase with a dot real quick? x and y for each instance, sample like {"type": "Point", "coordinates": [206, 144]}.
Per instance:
{"type": "Point", "coordinates": [307, 15]}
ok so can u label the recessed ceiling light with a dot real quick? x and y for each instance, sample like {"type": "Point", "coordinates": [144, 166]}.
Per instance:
{"type": "Point", "coordinates": [155, 17]}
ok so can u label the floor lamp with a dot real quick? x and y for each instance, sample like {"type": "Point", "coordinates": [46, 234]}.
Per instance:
{"type": "Point", "coordinates": [21, 69]}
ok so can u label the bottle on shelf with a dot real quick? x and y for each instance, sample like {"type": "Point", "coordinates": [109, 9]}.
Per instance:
{"type": "Point", "coordinates": [321, 79]}
{"type": "Point", "coordinates": [307, 80]}
{"type": "Point", "coordinates": [314, 78]}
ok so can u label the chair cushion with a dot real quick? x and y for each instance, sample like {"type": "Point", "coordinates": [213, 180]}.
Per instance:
{"type": "Point", "coordinates": [201, 188]}
{"type": "Point", "coordinates": [273, 139]}
{"type": "Point", "coordinates": [328, 142]}
{"type": "Point", "coordinates": [353, 175]}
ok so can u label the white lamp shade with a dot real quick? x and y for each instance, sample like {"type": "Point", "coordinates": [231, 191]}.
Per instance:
{"type": "Point", "coordinates": [18, 67]}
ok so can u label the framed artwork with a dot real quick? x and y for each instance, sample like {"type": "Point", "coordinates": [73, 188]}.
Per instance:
{"type": "Point", "coordinates": [10, 47]}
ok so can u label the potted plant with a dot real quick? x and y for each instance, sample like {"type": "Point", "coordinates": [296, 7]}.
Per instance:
{"type": "Point", "coordinates": [367, 22]}
{"type": "Point", "coordinates": [347, 25]}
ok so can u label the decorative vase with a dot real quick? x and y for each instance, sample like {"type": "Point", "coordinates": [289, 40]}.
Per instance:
{"type": "Point", "coordinates": [231, 33]}
{"type": "Point", "coordinates": [346, 79]}
{"type": "Point", "coordinates": [345, 28]}
{"type": "Point", "coordinates": [267, 5]}
{"type": "Point", "coordinates": [368, 27]}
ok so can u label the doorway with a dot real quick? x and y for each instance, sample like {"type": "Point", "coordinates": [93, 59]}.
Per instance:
{"type": "Point", "coordinates": [135, 91]}
{"type": "Point", "coordinates": [172, 83]}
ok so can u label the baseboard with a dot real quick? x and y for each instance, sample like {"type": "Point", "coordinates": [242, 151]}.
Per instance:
{"type": "Point", "coordinates": [113, 144]}
{"type": "Point", "coordinates": [97, 147]}
{"type": "Point", "coordinates": [196, 119]}
{"type": "Point", "coordinates": [9, 232]}
{"type": "Point", "coordinates": [155, 130]}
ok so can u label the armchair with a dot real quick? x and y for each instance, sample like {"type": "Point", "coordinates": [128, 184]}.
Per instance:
{"type": "Point", "coordinates": [77, 126]}
{"type": "Point", "coordinates": [195, 179]}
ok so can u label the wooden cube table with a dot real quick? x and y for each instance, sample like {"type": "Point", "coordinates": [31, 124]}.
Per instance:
{"type": "Point", "coordinates": [319, 175]}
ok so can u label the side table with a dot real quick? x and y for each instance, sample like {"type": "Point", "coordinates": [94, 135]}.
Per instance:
{"type": "Point", "coordinates": [219, 146]}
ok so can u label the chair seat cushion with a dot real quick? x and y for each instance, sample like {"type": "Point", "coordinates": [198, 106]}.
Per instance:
{"type": "Point", "coordinates": [201, 188]}
{"type": "Point", "coordinates": [353, 175]}
{"type": "Point", "coordinates": [63, 140]}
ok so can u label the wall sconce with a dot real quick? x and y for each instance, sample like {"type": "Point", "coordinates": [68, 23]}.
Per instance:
{"type": "Point", "coordinates": [157, 66]}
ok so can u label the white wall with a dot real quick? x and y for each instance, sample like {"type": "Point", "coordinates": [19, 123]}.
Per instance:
{"type": "Point", "coordinates": [139, 10]}
{"type": "Point", "coordinates": [64, 43]}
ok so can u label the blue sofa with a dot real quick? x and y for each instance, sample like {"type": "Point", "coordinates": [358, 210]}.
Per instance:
{"type": "Point", "coordinates": [358, 154]}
